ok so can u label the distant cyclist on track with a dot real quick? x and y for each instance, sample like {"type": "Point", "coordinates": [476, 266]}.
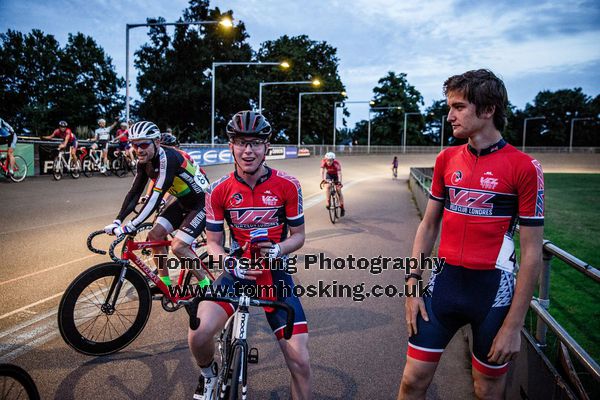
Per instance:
{"type": "Point", "coordinates": [8, 137]}
{"type": "Point", "coordinates": [332, 169]}
{"type": "Point", "coordinates": [69, 138]}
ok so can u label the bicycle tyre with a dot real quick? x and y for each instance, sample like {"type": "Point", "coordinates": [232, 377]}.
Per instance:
{"type": "Point", "coordinates": [75, 168]}
{"type": "Point", "coordinates": [57, 169]}
{"type": "Point", "coordinates": [20, 171]}
{"type": "Point", "coordinates": [336, 198]}
{"type": "Point", "coordinates": [24, 383]}
{"type": "Point", "coordinates": [87, 166]}
{"type": "Point", "coordinates": [236, 369]}
{"type": "Point", "coordinates": [67, 318]}
{"type": "Point", "coordinates": [118, 168]}
{"type": "Point", "coordinates": [332, 208]}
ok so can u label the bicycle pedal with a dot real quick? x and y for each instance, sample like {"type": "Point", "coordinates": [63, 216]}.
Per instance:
{"type": "Point", "coordinates": [253, 356]}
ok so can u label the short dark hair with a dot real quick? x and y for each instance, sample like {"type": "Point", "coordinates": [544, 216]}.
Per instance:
{"type": "Point", "coordinates": [484, 89]}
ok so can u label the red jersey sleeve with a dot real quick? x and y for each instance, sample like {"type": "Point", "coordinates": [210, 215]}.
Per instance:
{"type": "Point", "coordinates": [294, 208]}
{"type": "Point", "coordinates": [438, 187]}
{"type": "Point", "coordinates": [215, 211]}
{"type": "Point", "coordinates": [530, 190]}
{"type": "Point", "coordinates": [323, 163]}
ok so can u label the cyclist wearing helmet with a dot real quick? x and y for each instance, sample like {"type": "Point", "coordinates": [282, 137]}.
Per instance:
{"type": "Point", "coordinates": [256, 201]}
{"type": "Point", "coordinates": [331, 169]}
{"type": "Point", "coordinates": [69, 138]}
{"type": "Point", "coordinates": [122, 139]}
{"type": "Point", "coordinates": [102, 136]}
{"type": "Point", "coordinates": [174, 174]}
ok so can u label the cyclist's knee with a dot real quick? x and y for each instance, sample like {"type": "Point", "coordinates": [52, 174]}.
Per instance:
{"type": "Point", "coordinates": [416, 377]}
{"type": "Point", "coordinates": [158, 232]}
{"type": "Point", "coordinates": [180, 248]}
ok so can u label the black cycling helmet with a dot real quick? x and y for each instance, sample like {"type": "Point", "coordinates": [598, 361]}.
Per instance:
{"type": "Point", "coordinates": [63, 123]}
{"type": "Point", "coordinates": [249, 123]}
{"type": "Point", "coordinates": [168, 140]}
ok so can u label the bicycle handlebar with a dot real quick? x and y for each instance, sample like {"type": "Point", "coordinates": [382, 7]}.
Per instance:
{"type": "Point", "coordinates": [89, 242]}
{"type": "Point", "coordinates": [191, 307]}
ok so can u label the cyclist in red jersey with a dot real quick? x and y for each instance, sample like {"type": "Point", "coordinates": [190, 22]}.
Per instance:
{"type": "Point", "coordinates": [122, 139]}
{"type": "Point", "coordinates": [254, 198]}
{"type": "Point", "coordinates": [479, 191]}
{"type": "Point", "coordinates": [332, 169]}
{"type": "Point", "coordinates": [69, 138]}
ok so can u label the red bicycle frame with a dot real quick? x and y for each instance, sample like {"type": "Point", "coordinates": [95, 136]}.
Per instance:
{"type": "Point", "coordinates": [128, 254]}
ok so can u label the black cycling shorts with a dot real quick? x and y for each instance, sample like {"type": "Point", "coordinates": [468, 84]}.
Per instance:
{"type": "Point", "coordinates": [189, 222]}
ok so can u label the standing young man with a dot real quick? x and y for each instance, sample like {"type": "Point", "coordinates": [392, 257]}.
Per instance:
{"type": "Point", "coordinates": [479, 192]}
{"type": "Point", "coordinates": [253, 198]}
{"type": "Point", "coordinates": [102, 137]}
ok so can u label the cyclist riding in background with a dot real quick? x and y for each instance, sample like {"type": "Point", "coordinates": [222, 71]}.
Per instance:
{"type": "Point", "coordinates": [263, 208]}
{"type": "Point", "coordinates": [122, 139]}
{"type": "Point", "coordinates": [69, 138]}
{"type": "Point", "coordinates": [331, 169]}
{"type": "Point", "coordinates": [8, 137]}
{"type": "Point", "coordinates": [172, 173]}
{"type": "Point", "coordinates": [102, 136]}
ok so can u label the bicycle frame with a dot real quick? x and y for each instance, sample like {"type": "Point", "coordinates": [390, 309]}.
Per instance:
{"type": "Point", "coordinates": [63, 161]}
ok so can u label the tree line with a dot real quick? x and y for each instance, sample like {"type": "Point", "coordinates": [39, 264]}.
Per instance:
{"type": "Point", "coordinates": [42, 83]}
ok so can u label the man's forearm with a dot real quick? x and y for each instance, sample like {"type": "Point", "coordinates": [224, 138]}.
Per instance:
{"type": "Point", "coordinates": [526, 280]}
{"type": "Point", "coordinates": [292, 243]}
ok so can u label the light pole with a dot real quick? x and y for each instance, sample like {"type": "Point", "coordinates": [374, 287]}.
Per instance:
{"type": "Point", "coordinates": [314, 82]}
{"type": "Point", "coordinates": [369, 123]}
{"type": "Point", "coordinates": [300, 107]}
{"type": "Point", "coordinates": [339, 103]}
{"type": "Point", "coordinates": [572, 125]}
{"type": "Point", "coordinates": [226, 22]}
{"type": "Point", "coordinates": [525, 129]}
{"type": "Point", "coordinates": [404, 136]}
{"type": "Point", "coordinates": [212, 91]}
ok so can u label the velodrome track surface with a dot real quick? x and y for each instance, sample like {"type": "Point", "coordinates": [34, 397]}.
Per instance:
{"type": "Point", "coordinates": [357, 348]}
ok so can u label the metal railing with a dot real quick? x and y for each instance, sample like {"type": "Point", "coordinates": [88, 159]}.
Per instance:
{"type": "Point", "coordinates": [540, 304]}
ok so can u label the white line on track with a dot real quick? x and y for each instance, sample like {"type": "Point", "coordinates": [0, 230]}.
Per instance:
{"type": "Point", "coordinates": [46, 270]}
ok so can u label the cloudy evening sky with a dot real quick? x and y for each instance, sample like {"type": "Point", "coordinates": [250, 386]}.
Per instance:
{"type": "Point", "coordinates": [533, 45]}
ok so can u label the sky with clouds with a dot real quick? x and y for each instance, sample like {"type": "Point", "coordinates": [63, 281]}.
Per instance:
{"type": "Point", "coordinates": [533, 45]}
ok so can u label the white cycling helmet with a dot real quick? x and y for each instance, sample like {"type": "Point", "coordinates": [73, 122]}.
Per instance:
{"type": "Point", "coordinates": [102, 121]}
{"type": "Point", "coordinates": [144, 130]}
{"type": "Point", "coordinates": [330, 156]}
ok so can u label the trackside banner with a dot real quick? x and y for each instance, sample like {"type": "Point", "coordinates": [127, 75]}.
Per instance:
{"type": "Point", "coordinates": [291, 152]}
{"type": "Point", "coordinates": [209, 156]}
{"type": "Point", "coordinates": [275, 153]}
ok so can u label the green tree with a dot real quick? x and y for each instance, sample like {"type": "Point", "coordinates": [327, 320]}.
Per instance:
{"type": "Point", "coordinates": [174, 80]}
{"type": "Point", "coordinates": [28, 75]}
{"type": "Point", "coordinates": [42, 83]}
{"type": "Point", "coordinates": [558, 108]}
{"type": "Point", "coordinates": [309, 59]}
{"type": "Point", "coordinates": [387, 126]}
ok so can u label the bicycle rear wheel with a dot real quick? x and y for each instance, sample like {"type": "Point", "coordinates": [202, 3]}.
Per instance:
{"type": "Point", "coordinates": [20, 171]}
{"type": "Point", "coordinates": [87, 319]}
{"type": "Point", "coordinates": [16, 383]}
{"type": "Point", "coordinates": [118, 167]}
{"type": "Point", "coordinates": [87, 166]}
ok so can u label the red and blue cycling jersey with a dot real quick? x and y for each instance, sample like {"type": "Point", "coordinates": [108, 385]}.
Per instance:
{"type": "Point", "coordinates": [484, 197]}
{"type": "Point", "coordinates": [271, 207]}
{"type": "Point", "coordinates": [66, 134]}
{"type": "Point", "coordinates": [333, 169]}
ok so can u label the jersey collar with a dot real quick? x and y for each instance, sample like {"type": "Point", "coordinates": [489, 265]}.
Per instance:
{"type": "Point", "coordinates": [489, 150]}
{"type": "Point", "coordinates": [263, 178]}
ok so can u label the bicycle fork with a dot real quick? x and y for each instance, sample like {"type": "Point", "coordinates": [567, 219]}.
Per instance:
{"type": "Point", "coordinates": [115, 288]}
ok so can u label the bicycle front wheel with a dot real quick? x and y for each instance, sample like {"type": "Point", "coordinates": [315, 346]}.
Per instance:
{"type": "Point", "coordinates": [75, 168]}
{"type": "Point", "coordinates": [16, 383]}
{"type": "Point", "coordinates": [118, 167]}
{"type": "Point", "coordinates": [332, 208]}
{"type": "Point", "coordinates": [87, 167]}
{"type": "Point", "coordinates": [238, 382]}
{"type": "Point", "coordinates": [101, 314]}
{"type": "Point", "coordinates": [20, 171]}
{"type": "Point", "coordinates": [57, 169]}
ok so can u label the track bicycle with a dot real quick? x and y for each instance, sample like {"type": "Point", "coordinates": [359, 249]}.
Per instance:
{"type": "Point", "coordinates": [334, 199]}
{"type": "Point", "coordinates": [121, 164]}
{"type": "Point", "coordinates": [72, 165]}
{"type": "Point", "coordinates": [20, 170]}
{"type": "Point", "coordinates": [108, 305]}
{"type": "Point", "coordinates": [234, 351]}
{"type": "Point", "coordinates": [91, 161]}
{"type": "Point", "coordinates": [16, 383]}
